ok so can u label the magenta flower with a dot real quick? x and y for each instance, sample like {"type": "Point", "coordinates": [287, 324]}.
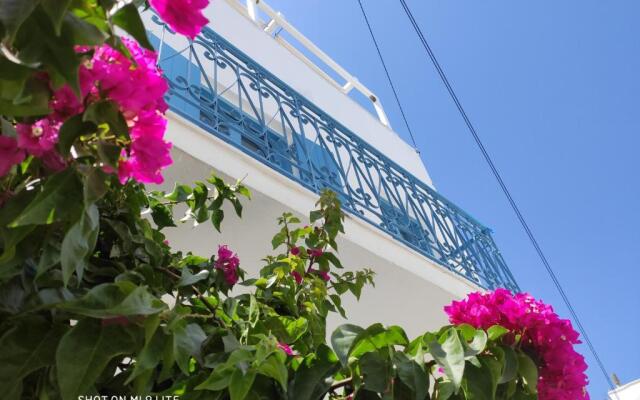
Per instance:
{"type": "Point", "coordinates": [65, 103]}
{"type": "Point", "coordinates": [53, 161]}
{"type": "Point", "coordinates": [297, 276]}
{"type": "Point", "coordinates": [295, 251]}
{"type": "Point", "coordinates": [544, 334]}
{"type": "Point", "coordinates": [286, 348]}
{"type": "Point", "coordinates": [322, 274]}
{"type": "Point", "coordinates": [183, 16]}
{"type": "Point", "coordinates": [148, 153]}
{"type": "Point", "coordinates": [228, 263]}
{"type": "Point", "coordinates": [138, 89]}
{"type": "Point", "coordinates": [10, 154]}
{"type": "Point", "coordinates": [38, 138]}
{"type": "Point", "coordinates": [314, 252]}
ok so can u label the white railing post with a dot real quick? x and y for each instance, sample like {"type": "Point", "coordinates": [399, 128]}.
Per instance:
{"type": "Point", "coordinates": [251, 10]}
{"type": "Point", "coordinates": [277, 20]}
{"type": "Point", "coordinates": [382, 116]}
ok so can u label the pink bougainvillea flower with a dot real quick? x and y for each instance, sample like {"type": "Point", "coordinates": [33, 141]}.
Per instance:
{"type": "Point", "coordinates": [297, 276]}
{"type": "Point", "coordinates": [148, 153]}
{"type": "Point", "coordinates": [39, 137]}
{"type": "Point", "coordinates": [286, 348]}
{"type": "Point", "coordinates": [10, 154]}
{"type": "Point", "coordinates": [138, 88]}
{"type": "Point", "coordinates": [53, 161]}
{"type": "Point", "coordinates": [135, 87]}
{"type": "Point", "coordinates": [64, 103]}
{"type": "Point", "coordinates": [295, 251]}
{"type": "Point", "coordinates": [228, 262]}
{"type": "Point", "coordinates": [183, 16]}
{"type": "Point", "coordinates": [322, 274]}
{"type": "Point", "coordinates": [314, 252]}
{"type": "Point", "coordinates": [544, 334]}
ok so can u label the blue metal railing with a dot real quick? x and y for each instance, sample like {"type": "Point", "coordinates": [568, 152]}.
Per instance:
{"type": "Point", "coordinates": [222, 90]}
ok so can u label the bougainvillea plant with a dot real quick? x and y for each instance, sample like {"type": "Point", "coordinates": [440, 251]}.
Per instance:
{"type": "Point", "coordinates": [536, 328]}
{"type": "Point", "coordinates": [94, 301]}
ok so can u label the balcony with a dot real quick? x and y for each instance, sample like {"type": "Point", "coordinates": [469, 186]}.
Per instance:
{"type": "Point", "coordinates": [220, 89]}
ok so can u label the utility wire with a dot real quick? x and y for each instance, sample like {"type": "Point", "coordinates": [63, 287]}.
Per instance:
{"type": "Point", "coordinates": [386, 71]}
{"type": "Point", "coordinates": [506, 191]}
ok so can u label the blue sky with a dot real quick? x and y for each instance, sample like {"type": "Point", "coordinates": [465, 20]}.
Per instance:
{"type": "Point", "coordinates": [553, 88]}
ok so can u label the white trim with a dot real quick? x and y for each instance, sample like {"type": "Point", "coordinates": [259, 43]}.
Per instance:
{"type": "Point", "coordinates": [277, 20]}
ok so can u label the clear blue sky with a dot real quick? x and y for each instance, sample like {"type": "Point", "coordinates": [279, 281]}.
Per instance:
{"type": "Point", "coordinates": [553, 88]}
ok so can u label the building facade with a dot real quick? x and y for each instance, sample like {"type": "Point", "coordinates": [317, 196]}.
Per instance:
{"type": "Point", "coordinates": [250, 104]}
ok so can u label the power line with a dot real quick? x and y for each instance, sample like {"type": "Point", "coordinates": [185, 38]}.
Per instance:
{"type": "Point", "coordinates": [506, 191]}
{"type": "Point", "coordinates": [386, 71]}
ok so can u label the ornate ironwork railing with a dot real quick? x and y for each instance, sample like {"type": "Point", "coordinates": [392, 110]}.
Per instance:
{"type": "Point", "coordinates": [226, 93]}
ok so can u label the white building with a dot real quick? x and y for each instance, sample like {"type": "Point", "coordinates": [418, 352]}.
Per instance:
{"type": "Point", "coordinates": [248, 104]}
{"type": "Point", "coordinates": [630, 391]}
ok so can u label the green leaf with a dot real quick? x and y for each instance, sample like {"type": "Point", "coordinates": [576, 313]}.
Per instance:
{"type": "Point", "coordinates": [311, 380]}
{"type": "Point", "coordinates": [244, 191]}
{"type": "Point", "coordinates": [57, 201]}
{"type": "Point", "coordinates": [287, 329]}
{"type": "Point", "coordinates": [332, 259]}
{"type": "Point", "coordinates": [128, 19]}
{"type": "Point", "coordinates": [275, 368]}
{"type": "Point", "coordinates": [219, 379]}
{"type": "Point", "coordinates": [496, 332]}
{"type": "Point", "coordinates": [85, 351]}
{"type": "Point", "coordinates": [378, 337]}
{"type": "Point", "coordinates": [26, 347]}
{"type": "Point", "coordinates": [450, 354]}
{"type": "Point", "coordinates": [478, 383]}
{"type": "Point", "coordinates": [61, 56]}
{"type": "Point", "coordinates": [109, 153]}
{"type": "Point", "coordinates": [107, 112]}
{"type": "Point", "coordinates": [56, 9]}
{"type": "Point", "coordinates": [509, 364]}
{"type": "Point", "coordinates": [79, 243]}
{"type": "Point", "coordinates": [149, 357]}
{"type": "Point", "coordinates": [50, 257]}
{"type": "Point", "coordinates": [237, 206]}
{"type": "Point", "coordinates": [343, 339]}
{"type": "Point", "coordinates": [81, 32]}
{"type": "Point", "coordinates": [95, 186]}
{"type": "Point", "coordinates": [13, 13]}
{"type": "Point", "coordinates": [187, 341]}
{"type": "Point", "coordinates": [25, 99]}
{"type": "Point", "coordinates": [188, 278]}
{"type": "Point", "coordinates": [180, 193]}
{"type": "Point", "coordinates": [162, 215]}
{"type": "Point", "coordinates": [529, 371]}
{"type": "Point", "coordinates": [477, 344]}
{"type": "Point", "coordinates": [446, 389]}
{"type": "Point", "coordinates": [72, 129]}
{"type": "Point", "coordinates": [412, 374]}
{"type": "Point", "coordinates": [118, 299]}
{"type": "Point", "coordinates": [375, 371]}
{"type": "Point", "coordinates": [240, 384]}
{"type": "Point", "coordinates": [217, 216]}
{"type": "Point", "coordinates": [278, 239]}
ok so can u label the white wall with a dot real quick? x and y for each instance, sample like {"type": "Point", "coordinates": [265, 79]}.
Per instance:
{"type": "Point", "coordinates": [630, 391]}
{"type": "Point", "coordinates": [242, 33]}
